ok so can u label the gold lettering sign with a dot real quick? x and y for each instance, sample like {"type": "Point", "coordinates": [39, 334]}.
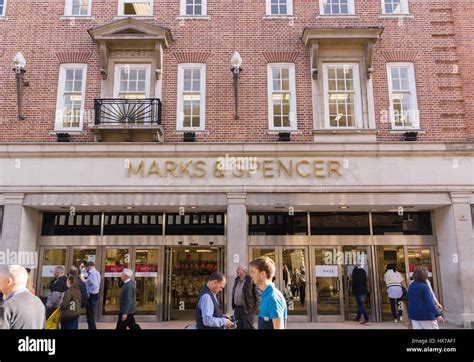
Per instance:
{"type": "Point", "coordinates": [266, 168]}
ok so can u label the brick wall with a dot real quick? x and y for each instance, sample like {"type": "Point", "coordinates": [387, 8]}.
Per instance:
{"type": "Point", "coordinates": [439, 38]}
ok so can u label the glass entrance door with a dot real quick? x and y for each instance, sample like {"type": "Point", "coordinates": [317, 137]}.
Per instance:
{"type": "Point", "coordinates": [356, 255]}
{"type": "Point", "coordinates": [295, 281]}
{"type": "Point", "coordinates": [51, 258]}
{"type": "Point", "coordinates": [116, 259]}
{"type": "Point", "coordinates": [188, 269]}
{"type": "Point", "coordinates": [146, 278]}
{"type": "Point", "coordinates": [328, 284]}
{"type": "Point", "coordinates": [386, 256]}
{"type": "Point", "coordinates": [291, 277]}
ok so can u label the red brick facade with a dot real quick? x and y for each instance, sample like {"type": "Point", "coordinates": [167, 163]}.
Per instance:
{"type": "Point", "coordinates": [438, 39]}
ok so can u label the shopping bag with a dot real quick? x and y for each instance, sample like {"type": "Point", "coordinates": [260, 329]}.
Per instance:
{"type": "Point", "coordinates": [53, 320]}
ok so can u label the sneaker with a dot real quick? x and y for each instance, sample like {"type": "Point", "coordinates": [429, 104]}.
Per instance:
{"type": "Point", "coordinates": [364, 323]}
{"type": "Point", "coordinates": [395, 320]}
{"type": "Point", "coordinates": [401, 319]}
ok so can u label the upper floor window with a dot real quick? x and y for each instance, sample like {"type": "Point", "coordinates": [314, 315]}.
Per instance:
{"type": "Point", "coordinates": [337, 7]}
{"type": "Point", "coordinates": [77, 7]}
{"type": "Point", "coordinates": [132, 81]}
{"type": "Point", "coordinates": [342, 98]}
{"type": "Point", "coordinates": [71, 92]}
{"type": "Point", "coordinates": [395, 6]}
{"type": "Point", "coordinates": [191, 96]}
{"type": "Point", "coordinates": [2, 7]}
{"type": "Point", "coordinates": [136, 7]}
{"type": "Point", "coordinates": [403, 102]}
{"type": "Point", "coordinates": [281, 96]}
{"type": "Point", "coordinates": [193, 7]}
{"type": "Point", "coordinates": [279, 7]}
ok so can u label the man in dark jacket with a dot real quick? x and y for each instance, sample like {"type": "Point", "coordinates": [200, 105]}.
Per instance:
{"type": "Point", "coordinates": [128, 302]}
{"type": "Point", "coordinates": [359, 290]}
{"type": "Point", "coordinates": [244, 299]}
{"type": "Point", "coordinates": [56, 291]}
{"type": "Point", "coordinates": [20, 309]}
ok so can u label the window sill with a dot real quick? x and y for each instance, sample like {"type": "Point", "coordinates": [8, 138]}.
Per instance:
{"type": "Point", "coordinates": [139, 17]}
{"type": "Point", "coordinates": [76, 17]}
{"type": "Point", "coordinates": [338, 16]}
{"type": "Point", "coordinates": [279, 17]}
{"type": "Point", "coordinates": [345, 131]}
{"type": "Point", "coordinates": [405, 130]}
{"type": "Point", "coordinates": [277, 131]}
{"type": "Point", "coordinates": [396, 16]}
{"type": "Point", "coordinates": [193, 17]}
{"type": "Point", "coordinates": [200, 131]}
{"type": "Point", "coordinates": [3, 18]}
{"type": "Point", "coordinates": [72, 132]}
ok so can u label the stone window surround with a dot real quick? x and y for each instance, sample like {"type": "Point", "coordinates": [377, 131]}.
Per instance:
{"type": "Point", "coordinates": [352, 45]}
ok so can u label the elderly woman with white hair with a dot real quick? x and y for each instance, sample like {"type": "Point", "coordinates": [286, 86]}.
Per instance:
{"type": "Point", "coordinates": [21, 309]}
{"type": "Point", "coordinates": [128, 302]}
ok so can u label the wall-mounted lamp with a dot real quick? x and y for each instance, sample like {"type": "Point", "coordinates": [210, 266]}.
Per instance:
{"type": "Point", "coordinates": [236, 62]}
{"type": "Point", "coordinates": [19, 67]}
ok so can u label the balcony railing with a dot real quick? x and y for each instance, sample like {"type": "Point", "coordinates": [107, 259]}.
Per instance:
{"type": "Point", "coordinates": [127, 112]}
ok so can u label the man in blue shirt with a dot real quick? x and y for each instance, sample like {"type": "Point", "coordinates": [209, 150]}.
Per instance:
{"type": "Point", "coordinates": [209, 314]}
{"type": "Point", "coordinates": [273, 310]}
{"type": "Point", "coordinates": [92, 287]}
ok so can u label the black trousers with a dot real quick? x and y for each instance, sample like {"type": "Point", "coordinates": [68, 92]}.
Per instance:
{"type": "Point", "coordinates": [127, 323]}
{"type": "Point", "coordinates": [92, 309]}
{"type": "Point", "coordinates": [244, 320]}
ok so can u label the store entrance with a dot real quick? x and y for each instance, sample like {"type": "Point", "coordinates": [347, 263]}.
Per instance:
{"type": "Point", "coordinates": [187, 270]}
{"type": "Point", "coordinates": [291, 277]}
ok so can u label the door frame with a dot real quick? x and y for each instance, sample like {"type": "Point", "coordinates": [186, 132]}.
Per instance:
{"type": "Point", "coordinates": [279, 276]}
{"type": "Point", "coordinates": [168, 272]}
{"type": "Point", "coordinates": [326, 318]}
{"type": "Point", "coordinates": [131, 265]}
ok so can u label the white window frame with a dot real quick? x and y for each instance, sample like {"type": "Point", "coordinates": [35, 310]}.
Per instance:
{"type": "Point", "coordinates": [404, 8]}
{"type": "Point", "coordinates": [350, 8]}
{"type": "Point", "coordinates": [60, 97]}
{"type": "Point", "coordinates": [182, 9]}
{"type": "Point", "coordinates": [121, 7]}
{"type": "Point", "coordinates": [68, 9]}
{"type": "Point", "coordinates": [293, 112]}
{"type": "Point", "coordinates": [202, 90]}
{"type": "Point", "coordinates": [119, 67]}
{"type": "Point", "coordinates": [414, 100]}
{"type": "Point", "coordinates": [359, 122]}
{"type": "Point", "coordinates": [4, 9]}
{"type": "Point", "coordinates": [289, 7]}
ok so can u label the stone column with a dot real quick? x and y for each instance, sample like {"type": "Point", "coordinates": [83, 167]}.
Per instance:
{"type": "Point", "coordinates": [456, 254]}
{"type": "Point", "coordinates": [19, 234]}
{"type": "Point", "coordinates": [12, 222]}
{"type": "Point", "coordinates": [236, 250]}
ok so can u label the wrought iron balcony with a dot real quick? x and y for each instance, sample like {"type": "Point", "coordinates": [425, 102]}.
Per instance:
{"type": "Point", "coordinates": [127, 119]}
{"type": "Point", "coordinates": [127, 111]}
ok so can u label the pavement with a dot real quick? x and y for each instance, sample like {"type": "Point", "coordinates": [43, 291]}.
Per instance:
{"type": "Point", "coordinates": [290, 325]}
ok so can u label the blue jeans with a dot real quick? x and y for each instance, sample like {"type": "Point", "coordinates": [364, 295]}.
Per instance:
{"type": "Point", "coordinates": [360, 299]}
{"type": "Point", "coordinates": [396, 306]}
{"type": "Point", "coordinates": [70, 323]}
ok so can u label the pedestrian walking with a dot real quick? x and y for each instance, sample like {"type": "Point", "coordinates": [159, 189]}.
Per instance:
{"type": "Point", "coordinates": [20, 308]}
{"type": "Point", "coordinates": [71, 304]}
{"type": "Point", "coordinates": [128, 302]}
{"type": "Point", "coordinates": [422, 309]}
{"type": "Point", "coordinates": [273, 309]}
{"type": "Point", "coordinates": [56, 291]}
{"type": "Point", "coordinates": [395, 286]}
{"type": "Point", "coordinates": [360, 291]}
{"type": "Point", "coordinates": [244, 299]}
